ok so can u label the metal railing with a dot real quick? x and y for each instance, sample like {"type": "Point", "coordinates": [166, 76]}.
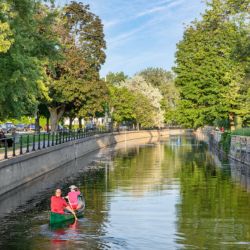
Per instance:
{"type": "Point", "coordinates": [20, 144]}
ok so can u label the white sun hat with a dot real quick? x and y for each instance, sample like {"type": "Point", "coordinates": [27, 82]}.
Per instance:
{"type": "Point", "coordinates": [72, 187]}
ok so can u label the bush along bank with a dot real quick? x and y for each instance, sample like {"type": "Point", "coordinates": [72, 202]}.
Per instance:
{"type": "Point", "coordinates": [225, 142]}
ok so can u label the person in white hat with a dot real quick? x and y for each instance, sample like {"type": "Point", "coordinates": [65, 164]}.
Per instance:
{"type": "Point", "coordinates": [73, 197]}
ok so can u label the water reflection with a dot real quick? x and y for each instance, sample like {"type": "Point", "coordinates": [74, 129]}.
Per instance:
{"type": "Point", "coordinates": [240, 174]}
{"type": "Point", "coordinates": [172, 194]}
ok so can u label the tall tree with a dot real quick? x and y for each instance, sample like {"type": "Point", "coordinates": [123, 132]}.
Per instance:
{"type": "Point", "coordinates": [76, 77]}
{"type": "Point", "coordinates": [115, 78]}
{"type": "Point", "coordinates": [121, 104]}
{"type": "Point", "coordinates": [208, 77]}
{"type": "Point", "coordinates": [138, 85]}
{"type": "Point", "coordinates": [129, 106]}
{"type": "Point", "coordinates": [25, 44]}
{"type": "Point", "coordinates": [6, 36]}
{"type": "Point", "coordinates": [164, 81]}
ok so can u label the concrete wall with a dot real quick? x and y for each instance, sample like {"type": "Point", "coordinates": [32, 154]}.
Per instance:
{"type": "Point", "coordinates": [22, 169]}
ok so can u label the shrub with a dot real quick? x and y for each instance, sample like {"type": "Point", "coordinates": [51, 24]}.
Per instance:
{"type": "Point", "coordinates": [225, 142]}
{"type": "Point", "coordinates": [242, 132]}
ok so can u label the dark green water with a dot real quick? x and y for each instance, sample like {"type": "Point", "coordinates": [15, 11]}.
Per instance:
{"type": "Point", "coordinates": [173, 194]}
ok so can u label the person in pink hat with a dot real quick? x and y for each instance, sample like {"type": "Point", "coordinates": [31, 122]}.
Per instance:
{"type": "Point", "coordinates": [73, 197]}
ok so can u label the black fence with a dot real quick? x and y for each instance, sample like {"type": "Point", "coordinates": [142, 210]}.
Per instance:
{"type": "Point", "coordinates": [20, 144]}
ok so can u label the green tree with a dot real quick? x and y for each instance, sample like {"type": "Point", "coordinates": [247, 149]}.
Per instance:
{"type": "Point", "coordinates": [164, 81]}
{"type": "Point", "coordinates": [121, 104]}
{"type": "Point", "coordinates": [115, 78]}
{"type": "Point", "coordinates": [73, 82]}
{"type": "Point", "coordinates": [139, 86]}
{"type": "Point", "coordinates": [129, 106]}
{"type": "Point", "coordinates": [6, 36]}
{"type": "Point", "coordinates": [208, 77]}
{"type": "Point", "coordinates": [145, 113]}
{"type": "Point", "coordinates": [25, 45]}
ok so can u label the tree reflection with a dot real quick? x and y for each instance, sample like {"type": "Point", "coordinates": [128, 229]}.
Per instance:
{"type": "Point", "coordinates": [211, 212]}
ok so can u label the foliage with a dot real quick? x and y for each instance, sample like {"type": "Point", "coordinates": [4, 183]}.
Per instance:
{"type": "Point", "coordinates": [6, 36]}
{"type": "Point", "coordinates": [242, 132]}
{"type": "Point", "coordinates": [115, 78]}
{"type": "Point", "coordinates": [222, 123]}
{"type": "Point", "coordinates": [121, 104]}
{"type": "Point", "coordinates": [73, 81]}
{"type": "Point", "coordinates": [209, 78]}
{"type": "Point", "coordinates": [21, 78]}
{"type": "Point", "coordinates": [95, 98]}
{"type": "Point", "coordinates": [225, 141]}
{"type": "Point", "coordinates": [145, 114]}
{"type": "Point", "coordinates": [138, 85]}
{"type": "Point", "coordinates": [157, 77]}
{"type": "Point", "coordinates": [164, 81]}
{"type": "Point", "coordinates": [126, 105]}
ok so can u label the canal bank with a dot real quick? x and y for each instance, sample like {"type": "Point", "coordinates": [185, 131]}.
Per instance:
{"type": "Point", "coordinates": [25, 168]}
{"type": "Point", "coordinates": [170, 193]}
{"type": "Point", "coordinates": [239, 145]}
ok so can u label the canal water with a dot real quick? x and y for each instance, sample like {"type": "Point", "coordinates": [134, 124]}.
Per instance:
{"type": "Point", "coordinates": [170, 194]}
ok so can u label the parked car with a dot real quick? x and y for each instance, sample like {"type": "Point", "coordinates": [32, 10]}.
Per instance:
{"type": "Point", "coordinates": [90, 126]}
{"type": "Point", "coordinates": [3, 128]}
{"type": "Point", "coordinates": [9, 127]}
{"type": "Point", "coordinates": [31, 127]}
{"type": "Point", "coordinates": [21, 127]}
{"type": "Point", "coordinates": [123, 127]}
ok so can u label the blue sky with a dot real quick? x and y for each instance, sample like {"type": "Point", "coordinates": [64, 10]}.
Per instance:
{"type": "Point", "coordinates": [142, 33]}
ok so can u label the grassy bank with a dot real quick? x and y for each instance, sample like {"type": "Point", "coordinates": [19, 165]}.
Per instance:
{"type": "Point", "coordinates": [241, 131]}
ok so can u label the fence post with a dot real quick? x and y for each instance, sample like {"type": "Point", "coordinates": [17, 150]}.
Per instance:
{"type": "Point", "coordinates": [28, 144]}
{"type": "Point", "coordinates": [34, 141]}
{"type": "Point", "coordinates": [5, 149]}
{"type": "Point", "coordinates": [48, 144]}
{"type": "Point", "coordinates": [53, 137]}
{"type": "Point", "coordinates": [43, 140]}
{"type": "Point", "coordinates": [14, 146]}
{"type": "Point", "coordinates": [21, 144]}
{"type": "Point", "coordinates": [39, 141]}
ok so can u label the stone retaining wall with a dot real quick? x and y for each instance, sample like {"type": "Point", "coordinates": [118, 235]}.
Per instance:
{"type": "Point", "coordinates": [240, 149]}
{"type": "Point", "coordinates": [240, 145]}
{"type": "Point", "coordinates": [24, 168]}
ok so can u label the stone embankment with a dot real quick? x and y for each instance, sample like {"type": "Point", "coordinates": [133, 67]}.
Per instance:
{"type": "Point", "coordinates": [24, 168]}
{"type": "Point", "coordinates": [239, 147]}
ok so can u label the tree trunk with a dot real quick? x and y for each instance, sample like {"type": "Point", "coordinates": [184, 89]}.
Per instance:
{"type": "Point", "coordinates": [55, 115]}
{"type": "Point", "coordinates": [80, 122]}
{"type": "Point", "coordinates": [37, 122]}
{"type": "Point", "coordinates": [47, 124]}
{"type": "Point", "coordinates": [138, 126]}
{"type": "Point", "coordinates": [70, 123]}
{"type": "Point", "coordinates": [232, 121]}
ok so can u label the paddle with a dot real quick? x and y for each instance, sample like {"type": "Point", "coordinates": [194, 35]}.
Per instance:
{"type": "Point", "coordinates": [72, 209]}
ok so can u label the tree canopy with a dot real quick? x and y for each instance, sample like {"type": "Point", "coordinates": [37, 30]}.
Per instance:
{"type": "Point", "coordinates": [25, 44]}
{"type": "Point", "coordinates": [209, 76]}
{"type": "Point", "coordinates": [73, 80]}
{"type": "Point", "coordinates": [164, 81]}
